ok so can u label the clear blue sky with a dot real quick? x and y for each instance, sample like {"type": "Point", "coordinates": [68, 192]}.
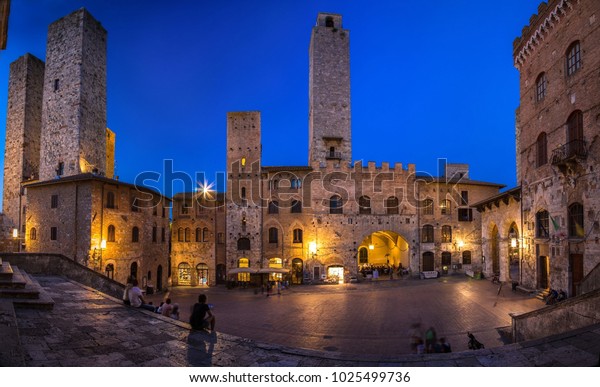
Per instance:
{"type": "Point", "coordinates": [430, 79]}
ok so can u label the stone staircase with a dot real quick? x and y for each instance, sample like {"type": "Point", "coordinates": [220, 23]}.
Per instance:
{"type": "Point", "coordinates": [541, 294]}
{"type": "Point", "coordinates": [17, 290]}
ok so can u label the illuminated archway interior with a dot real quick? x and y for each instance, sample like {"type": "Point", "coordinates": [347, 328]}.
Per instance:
{"type": "Point", "coordinates": [383, 248]}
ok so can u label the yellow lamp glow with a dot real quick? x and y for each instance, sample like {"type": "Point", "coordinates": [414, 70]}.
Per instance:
{"type": "Point", "coordinates": [371, 247]}
{"type": "Point", "coordinates": [103, 244]}
{"type": "Point", "coordinates": [513, 242]}
{"type": "Point", "coordinates": [461, 244]}
{"type": "Point", "coordinates": [243, 161]}
{"type": "Point", "coordinates": [312, 247]}
{"type": "Point", "coordinates": [15, 233]}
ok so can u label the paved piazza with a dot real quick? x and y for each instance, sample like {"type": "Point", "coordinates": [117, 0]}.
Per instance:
{"type": "Point", "coordinates": [364, 318]}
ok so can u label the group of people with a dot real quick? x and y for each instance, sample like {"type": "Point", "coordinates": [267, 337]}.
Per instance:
{"type": "Point", "coordinates": [428, 342]}
{"type": "Point", "coordinates": [377, 270]}
{"type": "Point", "coordinates": [201, 318]}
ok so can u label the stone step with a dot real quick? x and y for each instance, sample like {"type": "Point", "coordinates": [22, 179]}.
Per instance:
{"type": "Point", "coordinates": [11, 351]}
{"type": "Point", "coordinates": [43, 301]}
{"type": "Point", "coordinates": [17, 280]}
{"type": "Point", "coordinates": [6, 271]}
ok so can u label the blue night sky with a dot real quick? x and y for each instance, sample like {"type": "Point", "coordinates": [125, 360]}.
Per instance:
{"type": "Point", "coordinates": [429, 79]}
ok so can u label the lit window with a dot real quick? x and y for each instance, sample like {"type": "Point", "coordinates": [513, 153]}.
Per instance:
{"type": "Point", "coordinates": [446, 234]}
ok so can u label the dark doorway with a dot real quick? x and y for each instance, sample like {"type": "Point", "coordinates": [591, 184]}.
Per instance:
{"type": "Point", "coordinates": [543, 272]}
{"type": "Point", "coordinates": [495, 251]}
{"type": "Point", "coordinates": [297, 271]}
{"type": "Point", "coordinates": [159, 275]}
{"type": "Point", "coordinates": [133, 271]}
{"type": "Point", "coordinates": [221, 274]}
{"type": "Point", "coordinates": [576, 268]}
{"type": "Point", "coordinates": [428, 261]}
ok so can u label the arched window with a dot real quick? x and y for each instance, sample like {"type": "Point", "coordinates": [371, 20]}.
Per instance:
{"type": "Point", "coordinates": [336, 205]}
{"type": "Point", "coordinates": [573, 58]}
{"type": "Point", "coordinates": [180, 234]}
{"type": "Point", "coordinates": [273, 235]}
{"type": "Point", "coordinates": [205, 234]}
{"type": "Point", "coordinates": [576, 221]}
{"type": "Point", "coordinates": [135, 234]}
{"type": "Point", "coordinates": [110, 199]}
{"type": "Point", "coordinates": [391, 205]}
{"type": "Point", "coordinates": [466, 257]}
{"type": "Point", "coordinates": [540, 87]}
{"type": "Point", "coordinates": [542, 221]}
{"type": "Point", "coordinates": [297, 238]}
{"type": "Point", "coordinates": [133, 269]}
{"type": "Point", "coordinates": [446, 207]}
{"type": "Point", "coordinates": [32, 234]}
{"type": "Point", "coordinates": [273, 207]}
{"type": "Point", "coordinates": [243, 244]}
{"type": "Point", "coordinates": [363, 255]}
{"type": "Point", "coordinates": [427, 207]}
{"type": "Point", "coordinates": [296, 207]}
{"type": "Point", "coordinates": [575, 143]}
{"type": "Point", "coordinates": [427, 234]}
{"type": "Point", "coordinates": [364, 205]}
{"type": "Point", "coordinates": [188, 235]}
{"type": "Point", "coordinates": [542, 150]}
{"type": "Point", "coordinates": [446, 234]}
{"type": "Point", "coordinates": [184, 273]}
{"type": "Point", "coordinates": [110, 237]}
{"type": "Point", "coordinates": [198, 234]}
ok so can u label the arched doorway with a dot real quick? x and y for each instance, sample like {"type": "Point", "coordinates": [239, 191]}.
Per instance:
{"type": "Point", "coordinates": [428, 261]}
{"type": "Point", "coordinates": [221, 277]}
{"type": "Point", "coordinates": [159, 275]}
{"type": "Point", "coordinates": [297, 271]}
{"type": "Point", "coordinates": [202, 274]}
{"type": "Point", "coordinates": [383, 251]}
{"type": "Point", "coordinates": [513, 253]}
{"type": "Point", "coordinates": [133, 270]}
{"type": "Point", "coordinates": [110, 271]}
{"type": "Point", "coordinates": [494, 250]}
{"type": "Point", "coordinates": [184, 274]}
{"type": "Point", "coordinates": [446, 261]}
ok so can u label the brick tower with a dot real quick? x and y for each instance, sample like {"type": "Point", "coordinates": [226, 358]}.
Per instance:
{"type": "Point", "coordinates": [244, 215]}
{"type": "Point", "coordinates": [74, 106]}
{"type": "Point", "coordinates": [23, 128]}
{"type": "Point", "coordinates": [329, 92]}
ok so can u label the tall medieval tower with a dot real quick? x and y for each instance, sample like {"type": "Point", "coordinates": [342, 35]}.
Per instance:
{"type": "Point", "coordinates": [73, 137]}
{"type": "Point", "coordinates": [244, 213]}
{"type": "Point", "coordinates": [329, 92]}
{"type": "Point", "coordinates": [23, 128]}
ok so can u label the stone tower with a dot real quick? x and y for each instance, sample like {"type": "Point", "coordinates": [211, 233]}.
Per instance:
{"type": "Point", "coordinates": [329, 92]}
{"type": "Point", "coordinates": [244, 213]}
{"type": "Point", "coordinates": [23, 128]}
{"type": "Point", "coordinates": [74, 106]}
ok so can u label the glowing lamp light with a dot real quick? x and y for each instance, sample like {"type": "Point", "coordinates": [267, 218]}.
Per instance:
{"type": "Point", "coordinates": [371, 247]}
{"type": "Point", "coordinates": [15, 233]}
{"type": "Point", "coordinates": [312, 247]}
{"type": "Point", "coordinates": [513, 242]}
{"type": "Point", "coordinates": [103, 244]}
{"type": "Point", "coordinates": [243, 161]}
{"type": "Point", "coordinates": [461, 244]}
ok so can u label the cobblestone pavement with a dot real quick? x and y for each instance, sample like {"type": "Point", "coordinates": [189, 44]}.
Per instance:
{"type": "Point", "coordinates": [87, 328]}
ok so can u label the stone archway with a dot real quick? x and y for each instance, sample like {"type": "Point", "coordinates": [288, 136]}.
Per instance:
{"type": "Point", "coordinates": [384, 250]}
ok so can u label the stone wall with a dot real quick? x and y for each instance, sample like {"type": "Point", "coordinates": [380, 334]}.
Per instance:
{"type": "Point", "coordinates": [57, 264]}
{"type": "Point", "coordinates": [567, 315]}
{"type": "Point", "coordinates": [564, 177]}
{"type": "Point", "coordinates": [74, 108]}
{"type": "Point", "coordinates": [23, 131]}
{"type": "Point", "coordinates": [329, 91]}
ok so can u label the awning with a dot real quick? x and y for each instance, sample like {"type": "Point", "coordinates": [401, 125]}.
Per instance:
{"type": "Point", "coordinates": [242, 270]}
{"type": "Point", "coordinates": [278, 270]}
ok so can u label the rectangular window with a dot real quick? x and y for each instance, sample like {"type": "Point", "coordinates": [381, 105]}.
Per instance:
{"type": "Point", "coordinates": [464, 198]}
{"type": "Point", "coordinates": [154, 234]}
{"type": "Point", "coordinates": [221, 238]}
{"type": "Point", "coordinates": [162, 235]}
{"type": "Point", "coordinates": [54, 201]}
{"type": "Point", "coordinates": [297, 235]}
{"type": "Point", "coordinates": [272, 235]}
{"type": "Point", "coordinates": [465, 215]}
{"type": "Point", "coordinates": [56, 84]}
{"type": "Point", "coordinates": [53, 233]}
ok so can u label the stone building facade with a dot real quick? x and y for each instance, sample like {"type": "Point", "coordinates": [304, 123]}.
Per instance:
{"type": "Point", "coordinates": [558, 150]}
{"type": "Point", "coordinates": [330, 218]}
{"type": "Point", "coordinates": [59, 191]}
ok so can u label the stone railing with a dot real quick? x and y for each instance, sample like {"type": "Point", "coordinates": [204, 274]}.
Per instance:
{"type": "Point", "coordinates": [590, 282]}
{"type": "Point", "coordinates": [57, 264]}
{"type": "Point", "coordinates": [567, 315]}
